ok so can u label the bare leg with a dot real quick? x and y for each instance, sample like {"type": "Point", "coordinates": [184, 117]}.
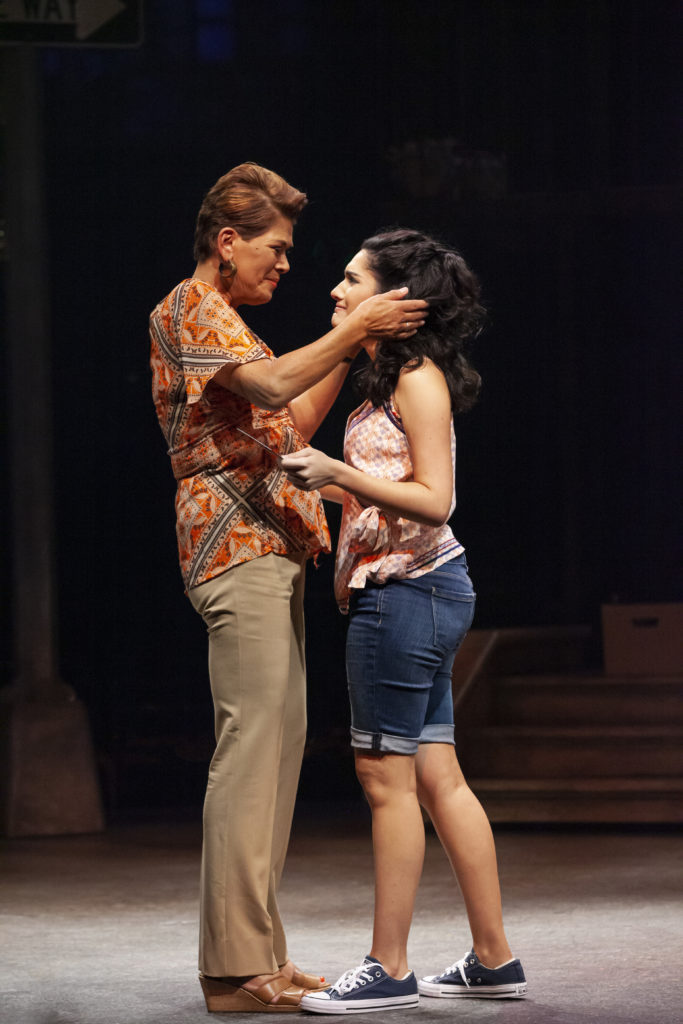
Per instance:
{"type": "Point", "coordinates": [398, 839]}
{"type": "Point", "coordinates": [465, 833]}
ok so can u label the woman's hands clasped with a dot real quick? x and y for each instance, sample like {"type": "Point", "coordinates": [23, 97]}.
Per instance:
{"type": "Point", "coordinates": [309, 469]}
{"type": "Point", "coordinates": [390, 313]}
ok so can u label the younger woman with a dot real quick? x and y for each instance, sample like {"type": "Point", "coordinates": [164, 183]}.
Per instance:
{"type": "Point", "coordinates": [402, 576]}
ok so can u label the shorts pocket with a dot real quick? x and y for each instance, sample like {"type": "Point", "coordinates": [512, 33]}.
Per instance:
{"type": "Point", "coordinates": [452, 616]}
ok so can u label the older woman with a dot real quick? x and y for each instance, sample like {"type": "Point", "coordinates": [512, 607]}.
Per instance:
{"type": "Point", "coordinates": [403, 578]}
{"type": "Point", "coordinates": [228, 409]}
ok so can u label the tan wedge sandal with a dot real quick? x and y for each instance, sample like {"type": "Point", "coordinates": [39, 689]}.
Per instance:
{"type": "Point", "coordinates": [311, 982]}
{"type": "Point", "coordinates": [275, 996]}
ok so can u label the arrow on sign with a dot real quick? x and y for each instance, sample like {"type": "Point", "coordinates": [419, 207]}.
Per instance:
{"type": "Point", "coordinates": [98, 13]}
{"type": "Point", "coordinates": [87, 16]}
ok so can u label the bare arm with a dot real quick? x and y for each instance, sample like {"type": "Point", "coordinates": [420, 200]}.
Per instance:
{"type": "Point", "coordinates": [310, 409]}
{"type": "Point", "coordinates": [424, 403]}
{"type": "Point", "coordinates": [272, 384]}
{"type": "Point", "coordinates": [332, 493]}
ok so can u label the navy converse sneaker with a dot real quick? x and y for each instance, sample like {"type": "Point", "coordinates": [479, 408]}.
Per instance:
{"type": "Point", "coordinates": [362, 990]}
{"type": "Point", "coordinates": [468, 977]}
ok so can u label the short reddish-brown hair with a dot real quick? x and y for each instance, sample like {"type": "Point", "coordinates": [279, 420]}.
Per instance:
{"type": "Point", "coordinates": [248, 198]}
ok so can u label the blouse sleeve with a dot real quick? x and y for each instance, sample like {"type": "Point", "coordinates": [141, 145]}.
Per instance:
{"type": "Point", "coordinates": [210, 335]}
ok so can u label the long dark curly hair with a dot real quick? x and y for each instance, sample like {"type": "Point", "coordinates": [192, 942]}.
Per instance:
{"type": "Point", "coordinates": [435, 272]}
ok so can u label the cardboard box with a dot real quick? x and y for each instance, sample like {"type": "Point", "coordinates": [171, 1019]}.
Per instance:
{"type": "Point", "coordinates": [643, 639]}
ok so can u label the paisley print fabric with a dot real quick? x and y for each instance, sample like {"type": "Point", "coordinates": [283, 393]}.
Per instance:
{"type": "Point", "coordinates": [233, 502]}
{"type": "Point", "coordinates": [374, 545]}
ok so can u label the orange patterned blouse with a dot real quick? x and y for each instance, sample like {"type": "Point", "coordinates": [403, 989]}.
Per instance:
{"type": "Point", "coordinates": [233, 501]}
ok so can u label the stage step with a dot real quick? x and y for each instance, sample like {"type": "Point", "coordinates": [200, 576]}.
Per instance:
{"type": "Point", "coordinates": [547, 752]}
{"type": "Point", "coordinates": [582, 800]}
{"type": "Point", "coordinates": [587, 698]}
{"type": "Point", "coordinates": [543, 736]}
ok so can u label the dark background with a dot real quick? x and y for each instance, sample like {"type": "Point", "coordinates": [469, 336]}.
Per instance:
{"type": "Point", "coordinates": [540, 138]}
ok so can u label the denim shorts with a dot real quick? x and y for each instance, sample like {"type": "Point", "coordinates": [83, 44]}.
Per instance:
{"type": "Point", "coordinates": [402, 639]}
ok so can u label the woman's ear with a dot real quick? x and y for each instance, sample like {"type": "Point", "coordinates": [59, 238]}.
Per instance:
{"type": "Point", "coordinates": [225, 241]}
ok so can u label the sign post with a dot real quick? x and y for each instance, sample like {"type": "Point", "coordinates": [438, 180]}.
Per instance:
{"type": "Point", "coordinates": [48, 777]}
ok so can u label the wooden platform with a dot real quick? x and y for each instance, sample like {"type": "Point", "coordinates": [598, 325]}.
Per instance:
{"type": "Point", "coordinates": [543, 737]}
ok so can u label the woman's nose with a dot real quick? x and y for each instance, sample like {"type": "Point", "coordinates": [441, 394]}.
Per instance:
{"type": "Point", "coordinates": [336, 293]}
{"type": "Point", "coordinates": [282, 264]}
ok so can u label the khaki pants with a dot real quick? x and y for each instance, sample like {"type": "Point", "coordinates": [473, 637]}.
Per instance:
{"type": "Point", "coordinates": [254, 615]}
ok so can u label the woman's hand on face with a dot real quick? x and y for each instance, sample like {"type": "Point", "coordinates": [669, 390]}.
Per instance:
{"type": "Point", "coordinates": [391, 314]}
{"type": "Point", "coordinates": [309, 469]}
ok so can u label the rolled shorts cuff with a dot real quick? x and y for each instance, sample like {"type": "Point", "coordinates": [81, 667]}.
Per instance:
{"type": "Point", "coordinates": [438, 733]}
{"type": "Point", "coordinates": [383, 743]}
{"type": "Point", "coordinates": [387, 744]}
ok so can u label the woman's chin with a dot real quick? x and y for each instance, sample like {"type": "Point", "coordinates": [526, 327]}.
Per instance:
{"type": "Point", "coordinates": [258, 298]}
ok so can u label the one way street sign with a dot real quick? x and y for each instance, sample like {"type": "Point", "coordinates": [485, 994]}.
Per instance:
{"type": "Point", "coordinates": [71, 22]}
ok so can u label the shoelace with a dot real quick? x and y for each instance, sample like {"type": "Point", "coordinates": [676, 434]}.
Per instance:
{"type": "Point", "coordinates": [459, 965]}
{"type": "Point", "coordinates": [353, 978]}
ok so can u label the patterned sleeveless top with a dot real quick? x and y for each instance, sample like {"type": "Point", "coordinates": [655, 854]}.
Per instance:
{"type": "Point", "coordinates": [374, 545]}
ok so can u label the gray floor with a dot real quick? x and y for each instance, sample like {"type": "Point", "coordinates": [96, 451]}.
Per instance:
{"type": "Point", "coordinates": [103, 930]}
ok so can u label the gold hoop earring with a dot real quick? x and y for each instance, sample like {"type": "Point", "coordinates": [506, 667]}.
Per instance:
{"type": "Point", "coordinates": [227, 270]}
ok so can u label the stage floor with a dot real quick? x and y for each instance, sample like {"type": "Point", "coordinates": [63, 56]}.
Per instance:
{"type": "Point", "coordinates": [103, 929]}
